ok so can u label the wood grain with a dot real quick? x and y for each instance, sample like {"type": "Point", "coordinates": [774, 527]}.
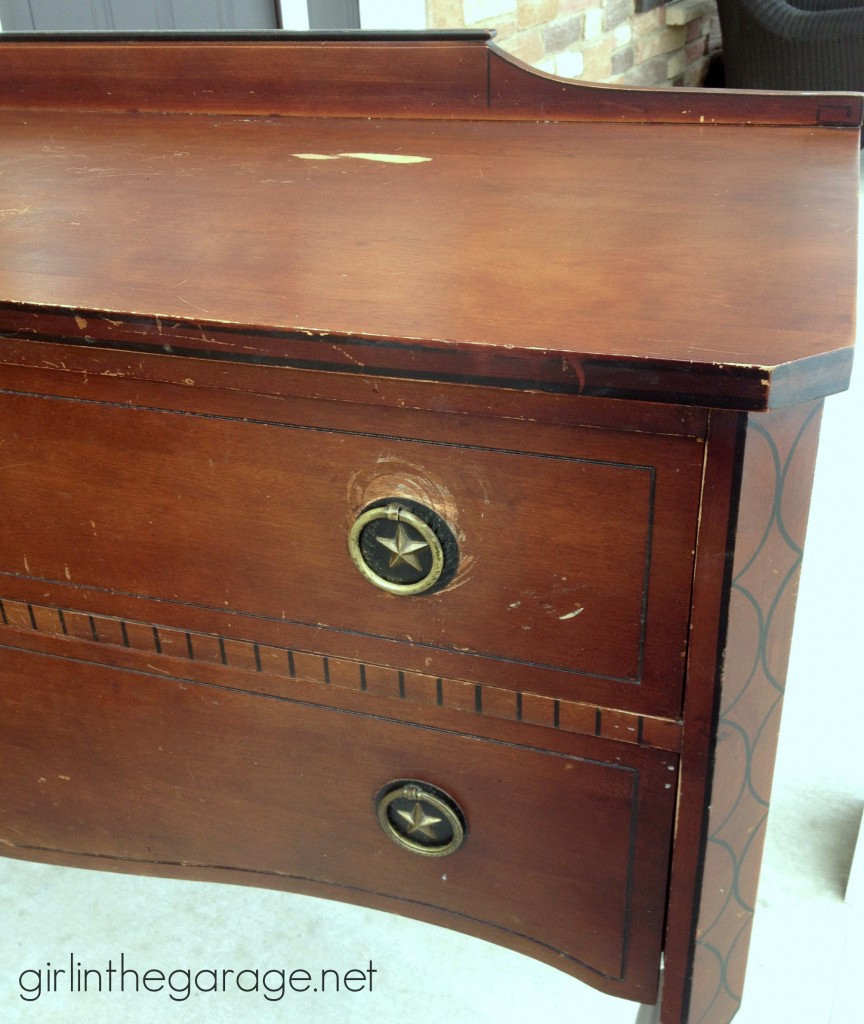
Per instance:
{"type": "Point", "coordinates": [743, 612]}
{"type": "Point", "coordinates": [465, 266]}
{"type": "Point", "coordinates": [249, 286]}
{"type": "Point", "coordinates": [401, 74]}
{"type": "Point", "coordinates": [273, 669]}
{"type": "Point", "coordinates": [275, 557]}
{"type": "Point", "coordinates": [188, 777]}
{"type": "Point", "coordinates": [777, 475]}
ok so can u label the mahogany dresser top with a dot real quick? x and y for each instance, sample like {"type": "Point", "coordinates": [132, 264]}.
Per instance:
{"type": "Point", "coordinates": [567, 240]}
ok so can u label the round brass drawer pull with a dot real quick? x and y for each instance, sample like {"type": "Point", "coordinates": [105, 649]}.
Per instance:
{"type": "Point", "coordinates": [403, 547]}
{"type": "Point", "coordinates": [421, 818]}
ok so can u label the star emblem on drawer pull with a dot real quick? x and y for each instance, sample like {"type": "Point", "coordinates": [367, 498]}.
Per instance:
{"type": "Point", "coordinates": [420, 818]}
{"type": "Point", "coordinates": [403, 548]}
{"type": "Point", "coordinates": [419, 822]}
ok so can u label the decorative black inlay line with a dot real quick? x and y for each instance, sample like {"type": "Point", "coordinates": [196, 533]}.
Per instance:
{"type": "Point", "coordinates": [188, 866]}
{"type": "Point", "coordinates": [490, 655]}
{"type": "Point", "coordinates": [634, 818]}
{"type": "Point", "coordinates": [751, 702]}
{"type": "Point", "coordinates": [245, 655]}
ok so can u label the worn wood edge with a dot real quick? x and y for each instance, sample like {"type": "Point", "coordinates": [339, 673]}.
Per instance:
{"type": "Point", "coordinates": [44, 367]}
{"type": "Point", "coordinates": [684, 382]}
{"type": "Point", "coordinates": [484, 81]}
{"type": "Point", "coordinates": [811, 378]}
{"type": "Point", "coordinates": [710, 602]}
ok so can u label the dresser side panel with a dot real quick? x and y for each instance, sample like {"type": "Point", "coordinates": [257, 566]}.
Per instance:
{"type": "Point", "coordinates": [759, 598]}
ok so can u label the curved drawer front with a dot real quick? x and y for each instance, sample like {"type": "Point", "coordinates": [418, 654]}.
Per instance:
{"type": "Point", "coordinates": [564, 855]}
{"type": "Point", "coordinates": [567, 568]}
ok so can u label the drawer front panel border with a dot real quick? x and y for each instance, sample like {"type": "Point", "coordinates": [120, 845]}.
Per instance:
{"type": "Point", "coordinates": [640, 795]}
{"type": "Point", "coordinates": [637, 679]}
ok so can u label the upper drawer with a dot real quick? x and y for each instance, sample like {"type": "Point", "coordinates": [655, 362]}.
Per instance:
{"type": "Point", "coordinates": [568, 573]}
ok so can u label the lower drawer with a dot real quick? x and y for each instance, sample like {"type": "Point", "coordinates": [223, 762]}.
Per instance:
{"type": "Point", "coordinates": [564, 855]}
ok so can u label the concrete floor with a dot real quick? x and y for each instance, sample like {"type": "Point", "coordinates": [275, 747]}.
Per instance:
{"type": "Point", "coordinates": [807, 947]}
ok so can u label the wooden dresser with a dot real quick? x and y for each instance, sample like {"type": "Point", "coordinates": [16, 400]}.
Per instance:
{"type": "Point", "coordinates": [406, 462]}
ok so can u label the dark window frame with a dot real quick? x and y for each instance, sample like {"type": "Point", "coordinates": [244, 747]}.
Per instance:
{"type": "Point", "coordinates": [333, 14]}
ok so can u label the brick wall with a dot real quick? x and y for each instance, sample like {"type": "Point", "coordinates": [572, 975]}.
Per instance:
{"type": "Point", "coordinates": [596, 40]}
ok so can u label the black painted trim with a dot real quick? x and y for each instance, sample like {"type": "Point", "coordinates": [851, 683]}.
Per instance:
{"type": "Point", "coordinates": [272, 36]}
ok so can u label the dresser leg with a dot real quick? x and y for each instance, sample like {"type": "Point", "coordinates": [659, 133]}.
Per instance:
{"type": "Point", "coordinates": [651, 1014]}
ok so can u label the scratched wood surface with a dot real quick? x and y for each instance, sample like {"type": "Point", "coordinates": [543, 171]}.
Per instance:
{"type": "Point", "coordinates": [219, 325]}
{"type": "Point", "coordinates": [436, 248]}
{"type": "Point", "coordinates": [171, 774]}
{"type": "Point", "coordinates": [610, 626]}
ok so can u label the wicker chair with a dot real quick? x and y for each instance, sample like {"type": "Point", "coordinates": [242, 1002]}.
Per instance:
{"type": "Point", "coordinates": [802, 44]}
